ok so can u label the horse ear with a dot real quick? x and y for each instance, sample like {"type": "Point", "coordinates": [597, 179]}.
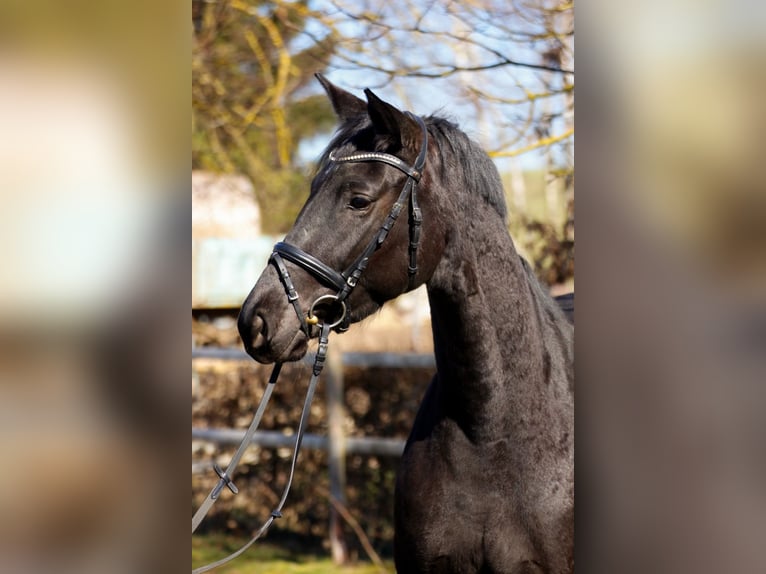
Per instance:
{"type": "Point", "coordinates": [389, 120]}
{"type": "Point", "coordinates": [345, 104]}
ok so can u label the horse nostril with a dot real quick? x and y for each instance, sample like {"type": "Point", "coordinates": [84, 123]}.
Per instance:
{"type": "Point", "coordinates": [258, 327]}
{"type": "Point", "coordinates": [251, 330]}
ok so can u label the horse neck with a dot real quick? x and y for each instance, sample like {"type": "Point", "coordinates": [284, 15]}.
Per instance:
{"type": "Point", "coordinates": [487, 331]}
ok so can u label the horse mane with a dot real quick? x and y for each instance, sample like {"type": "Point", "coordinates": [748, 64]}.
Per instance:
{"type": "Point", "coordinates": [461, 157]}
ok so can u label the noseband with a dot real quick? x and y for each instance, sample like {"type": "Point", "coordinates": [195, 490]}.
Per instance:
{"type": "Point", "coordinates": [345, 282]}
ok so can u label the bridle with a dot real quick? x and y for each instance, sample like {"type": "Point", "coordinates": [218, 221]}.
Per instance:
{"type": "Point", "coordinates": [344, 282]}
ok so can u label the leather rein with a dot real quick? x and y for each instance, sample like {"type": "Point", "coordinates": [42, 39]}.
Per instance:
{"type": "Point", "coordinates": [344, 282]}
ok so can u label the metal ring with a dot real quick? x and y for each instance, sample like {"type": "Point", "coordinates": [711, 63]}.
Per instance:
{"type": "Point", "coordinates": [311, 315]}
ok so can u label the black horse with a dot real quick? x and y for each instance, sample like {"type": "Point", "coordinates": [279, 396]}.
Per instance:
{"type": "Point", "coordinates": [485, 484]}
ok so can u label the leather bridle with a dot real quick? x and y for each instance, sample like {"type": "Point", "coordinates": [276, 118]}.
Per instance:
{"type": "Point", "coordinates": [345, 282]}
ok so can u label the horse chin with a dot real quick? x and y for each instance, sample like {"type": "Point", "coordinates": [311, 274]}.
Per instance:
{"type": "Point", "coordinates": [296, 350]}
{"type": "Point", "coordinates": [273, 352]}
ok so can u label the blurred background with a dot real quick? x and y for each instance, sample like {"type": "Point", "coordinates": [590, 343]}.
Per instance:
{"type": "Point", "coordinates": [94, 179]}
{"type": "Point", "coordinates": [94, 224]}
{"type": "Point", "coordinates": [504, 72]}
{"type": "Point", "coordinates": [671, 401]}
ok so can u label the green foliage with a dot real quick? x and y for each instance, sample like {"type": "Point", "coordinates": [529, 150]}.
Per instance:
{"type": "Point", "coordinates": [281, 195]}
{"type": "Point", "coordinates": [265, 558]}
{"type": "Point", "coordinates": [542, 224]}
{"type": "Point", "coordinates": [546, 242]}
{"type": "Point", "coordinates": [248, 114]}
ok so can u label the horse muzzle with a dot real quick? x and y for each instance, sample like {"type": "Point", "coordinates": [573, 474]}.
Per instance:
{"type": "Point", "coordinates": [270, 332]}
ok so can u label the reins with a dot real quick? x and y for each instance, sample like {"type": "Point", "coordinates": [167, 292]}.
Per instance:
{"type": "Point", "coordinates": [225, 477]}
{"type": "Point", "coordinates": [344, 283]}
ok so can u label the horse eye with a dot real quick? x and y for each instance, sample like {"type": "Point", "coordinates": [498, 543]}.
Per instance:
{"type": "Point", "coordinates": [359, 202]}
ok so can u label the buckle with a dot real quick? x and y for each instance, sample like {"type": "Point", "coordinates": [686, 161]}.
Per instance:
{"type": "Point", "coordinates": [225, 481]}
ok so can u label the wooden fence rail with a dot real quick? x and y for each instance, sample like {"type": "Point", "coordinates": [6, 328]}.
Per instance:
{"type": "Point", "coordinates": [367, 360]}
{"type": "Point", "coordinates": [274, 439]}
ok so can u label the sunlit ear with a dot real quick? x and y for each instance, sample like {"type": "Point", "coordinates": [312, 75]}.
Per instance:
{"type": "Point", "coordinates": [345, 104]}
{"type": "Point", "coordinates": [389, 120]}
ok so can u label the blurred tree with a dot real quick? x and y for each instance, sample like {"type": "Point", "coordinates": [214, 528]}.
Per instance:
{"type": "Point", "coordinates": [512, 63]}
{"type": "Point", "coordinates": [248, 114]}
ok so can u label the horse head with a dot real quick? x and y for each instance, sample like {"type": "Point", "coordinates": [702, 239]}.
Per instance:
{"type": "Point", "coordinates": [368, 232]}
